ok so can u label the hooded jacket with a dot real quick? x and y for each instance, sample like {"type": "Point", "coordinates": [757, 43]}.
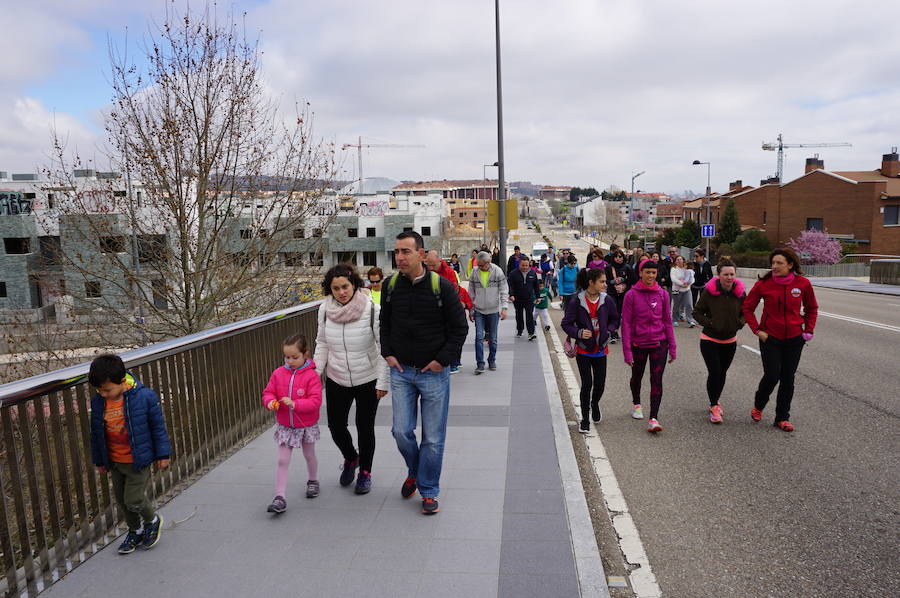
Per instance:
{"type": "Point", "coordinates": [350, 353]}
{"type": "Point", "coordinates": [720, 312]}
{"type": "Point", "coordinates": [303, 386]}
{"type": "Point", "coordinates": [578, 318]}
{"type": "Point", "coordinates": [494, 297]}
{"type": "Point", "coordinates": [646, 319]}
{"type": "Point", "coordinates": [566, 279]}
{"type": "Point", "coordinates": [781, 315]}
{"type": "Point", "coordinates": [144, 421]}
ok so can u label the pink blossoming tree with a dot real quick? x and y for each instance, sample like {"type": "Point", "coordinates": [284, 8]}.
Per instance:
{"type": "Point", "coordinates": [821, 248]}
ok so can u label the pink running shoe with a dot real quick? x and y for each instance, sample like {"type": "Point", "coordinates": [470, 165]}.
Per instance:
{"type": "Point", "coordinates": [715, 414]}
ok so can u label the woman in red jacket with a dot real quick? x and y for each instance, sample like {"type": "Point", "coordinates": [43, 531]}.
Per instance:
{"type": "Point", "coordinates": [783, 330]}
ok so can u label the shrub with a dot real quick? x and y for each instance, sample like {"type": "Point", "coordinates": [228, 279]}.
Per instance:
{"type": "Point", "coordinates": [751, 240]}
{"type": "Point", "coordinates": [753, 259]}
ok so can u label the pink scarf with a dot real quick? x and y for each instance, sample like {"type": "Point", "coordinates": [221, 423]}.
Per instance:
{"type": "Point", "coordinates": [784, 280]}
{"type": "Point", "coordinates": [351, 312]}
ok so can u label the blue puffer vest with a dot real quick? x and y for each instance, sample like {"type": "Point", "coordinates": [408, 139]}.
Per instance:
{"type": "Point", "coordinates": [147, 433]}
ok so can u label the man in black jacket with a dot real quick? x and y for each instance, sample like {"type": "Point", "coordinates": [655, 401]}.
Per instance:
{"type": "Point", "coordinates": [423, 329]}
{"type": "Point", "coordinates": [702, 274]}
{"type": "Point", "coordinates": [513, 262]}
{"type": "Point", "coordinates": [523, 289]}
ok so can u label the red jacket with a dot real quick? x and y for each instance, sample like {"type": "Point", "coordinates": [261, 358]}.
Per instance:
{"type": "Point", "coordinates": [447, 271]}
{"type": "Point", "coordinates": [782, 303]}
{"type": "Point", "coordinates": [303, 386]}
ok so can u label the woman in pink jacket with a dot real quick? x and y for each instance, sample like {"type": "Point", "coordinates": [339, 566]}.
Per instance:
{"type": "Point", "coordinates": [647, 335]}
{"type": "Point", "coordinates": [294, 392]}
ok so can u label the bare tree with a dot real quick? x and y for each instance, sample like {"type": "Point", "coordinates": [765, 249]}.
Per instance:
{"type": "Point", "coordinates": [613, 224]}
{"type": "Point", "coordinates": [216, 202]}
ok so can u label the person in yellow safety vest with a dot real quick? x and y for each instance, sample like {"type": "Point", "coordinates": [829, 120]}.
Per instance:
{"type": "Point", "coordinates": [375, 276]}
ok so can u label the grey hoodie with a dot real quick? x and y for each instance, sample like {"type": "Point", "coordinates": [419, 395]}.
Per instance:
{"type": "Point", "coordinates": [495, 297]}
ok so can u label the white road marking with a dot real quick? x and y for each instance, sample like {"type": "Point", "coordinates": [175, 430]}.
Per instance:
{"type": "Point", "coordinates": [751, 349]}
{"type": "Point", "coordinates": [643, 582]}
{"type": "Point", "coordinates": [859, 321]}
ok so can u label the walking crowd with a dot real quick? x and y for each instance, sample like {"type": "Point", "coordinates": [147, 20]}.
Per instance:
{"type": "Point", "coordinates": [404, 335]}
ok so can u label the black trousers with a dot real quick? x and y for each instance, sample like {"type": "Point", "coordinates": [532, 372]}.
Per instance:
{"type": "Point", "coordinates": [524, 316]}
{"type": "Point", "coordinates": [718, 357]}
{"type": "Point", "coordinates": [337, 403]}
{"type": "Point", "coordinates": [780, 359]}
{"type": "Point", "coordinates": [593, 382]}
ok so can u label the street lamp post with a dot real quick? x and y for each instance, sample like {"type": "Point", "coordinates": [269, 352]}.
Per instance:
{"type": "Point", "coordinates": [484, 223]}
{"type": "Point", "coordinates": [706, 200]}
{"type": "Point", "coordinates": [631, 207]}
{"type": "Point", "coordinates": [501, 187]}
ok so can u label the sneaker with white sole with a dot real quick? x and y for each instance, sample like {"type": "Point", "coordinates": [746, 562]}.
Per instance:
{"type": "Point", "coordinates": [637, 412]}
{"type": "Point", "coordinates": [653, 426]}
{"type": "Point", "coordinates": [584, 427]}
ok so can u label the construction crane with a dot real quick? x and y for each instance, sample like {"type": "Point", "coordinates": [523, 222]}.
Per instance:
{"type": "Point", "coordinates": [359, 147]}
{"type": "Point", "coordinates": [780, 145]}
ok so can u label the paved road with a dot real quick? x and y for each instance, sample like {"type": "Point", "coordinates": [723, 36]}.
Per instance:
{"type": "Point", "coordinates": [744, 509]}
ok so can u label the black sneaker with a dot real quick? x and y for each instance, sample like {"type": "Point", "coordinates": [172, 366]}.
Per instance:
{"type": "Point", "coordinates": [519, 333]}
{"type": "Point", "coordinates": [408, 488]}
{"type": "Point", "coordinates": [584, 427]}
{"type": "Point", "coordinates": [532, 336]}
{"type": "Point", "coordinates": [492, 367]}
{"type": "Point", "coordinates": [547, 328]}
{"type": "Point", "coordinates": [152, 531]}
{"type": "Point", "coordinates": [430, 506]}
{"type": "Point", "coordinates": [363, 482]}
{"type": "Point", "coordinates": [278, 505]}
{"type": "Point", "coordinates": [132, 541]}
{"type": "Point", "coordinates": [349, 471]}
{"type": "Point", "coordinates": [479, 370]}
{"type": "Point", "coordinates": [312, 488]}
{"type": "Point", "coordinates": [596, 414]}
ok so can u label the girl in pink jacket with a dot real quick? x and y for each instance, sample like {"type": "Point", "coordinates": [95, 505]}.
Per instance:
{"type": "Point", "coordinates": [647, 335]}
{"type": "Point", "coordinates": [294, 392]}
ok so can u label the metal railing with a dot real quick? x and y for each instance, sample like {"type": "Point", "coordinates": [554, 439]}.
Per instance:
{"type": "Point", "coordinates": [56, 509]}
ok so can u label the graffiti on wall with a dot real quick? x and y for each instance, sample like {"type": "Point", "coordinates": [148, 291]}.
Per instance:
{"type": "Point", "coordinates": [376, 208]}
{"type": "Point", "coordinates": [13, 203]}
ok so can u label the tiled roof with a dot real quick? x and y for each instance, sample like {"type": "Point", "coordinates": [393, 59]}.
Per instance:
{"type": "Point", "coordinates": [445, 184]}
{"type": "Point", "coordinates": [893, 183]}
{"type": "Point", "coordinates": [669, 209]}
{"type": "Point", "coordinates": [555, 188]}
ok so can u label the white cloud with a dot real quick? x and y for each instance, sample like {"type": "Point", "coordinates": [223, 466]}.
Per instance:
{"type": "Point", "coordinates": [593, 91]}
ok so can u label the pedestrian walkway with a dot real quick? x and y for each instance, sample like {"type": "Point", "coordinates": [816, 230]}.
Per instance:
{"type": "Point", "coordinates": [510, 508]}
{"type": "Point", "coordinates": [855, 284]}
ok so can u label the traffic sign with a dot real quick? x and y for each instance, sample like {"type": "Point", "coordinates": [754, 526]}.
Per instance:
{"type": "Point", "coordinates": [707, 231]}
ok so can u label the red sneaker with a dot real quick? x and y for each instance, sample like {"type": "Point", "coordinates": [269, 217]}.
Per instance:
{"type": "Point", "coordinates": [715, 414]}
{"type": "Point", "coordinates": [785, 425]}
{"type": "Point", "coordinates": [408, 488]}
{"type": "Point", "coordinates": [756, 414]}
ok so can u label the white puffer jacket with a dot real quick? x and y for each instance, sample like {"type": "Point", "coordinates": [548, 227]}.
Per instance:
{"type": "Point", "coordinates": [350, 354]}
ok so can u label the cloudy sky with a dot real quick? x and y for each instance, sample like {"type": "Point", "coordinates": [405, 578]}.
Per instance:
{"type": "Point", "coordinates": [594, 90]}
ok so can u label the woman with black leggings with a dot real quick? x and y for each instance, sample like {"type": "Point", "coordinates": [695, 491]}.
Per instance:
{"type": "Point", "coordinates": [348, 351]}
{"type": "Point", "coordinates": [590, 317]}
{"type": "Point", "coordinates": [719, 311]}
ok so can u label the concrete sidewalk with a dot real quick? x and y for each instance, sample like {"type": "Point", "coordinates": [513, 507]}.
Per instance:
{"type": "Point", "coordinates": [510, 503]}
{"type": "Point", "coordinates": [853, 284]}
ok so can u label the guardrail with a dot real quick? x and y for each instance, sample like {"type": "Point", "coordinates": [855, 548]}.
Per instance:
{"type": "Point", "coordinates": [56, 509]}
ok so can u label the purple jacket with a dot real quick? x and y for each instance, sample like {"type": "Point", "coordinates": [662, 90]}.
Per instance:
{"type": "Point", "coordinates": [578, 318]}
{"type": "Point", "coordinates": [646, 319]}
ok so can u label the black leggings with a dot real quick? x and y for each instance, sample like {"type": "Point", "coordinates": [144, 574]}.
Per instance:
{"type": "Point", "coordinates": [337, 403]}
{"type": "Point", "coordinates": [718, 357]}
{"type": "Point", "coordinates": [780, 359]}
{"type": "Point", "coordinates": [657, 358]}
{"type": "Point", "coordinates": [593, 381]}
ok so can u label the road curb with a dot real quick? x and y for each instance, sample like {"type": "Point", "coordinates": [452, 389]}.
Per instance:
{"type": "Point", "coordinates": [591, 576]}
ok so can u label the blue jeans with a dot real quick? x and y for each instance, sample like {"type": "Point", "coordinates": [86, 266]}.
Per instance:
{"type": "Point", "coordinates": [486, 323]}
{"type": "Point", "coordinates": [423, 461]}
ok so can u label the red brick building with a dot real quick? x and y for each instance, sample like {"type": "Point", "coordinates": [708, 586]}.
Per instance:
{"type": "Point", "coordinates": [856, 206]}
